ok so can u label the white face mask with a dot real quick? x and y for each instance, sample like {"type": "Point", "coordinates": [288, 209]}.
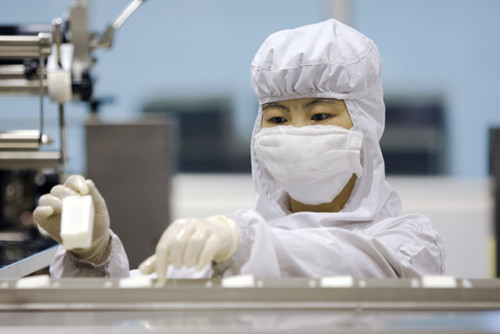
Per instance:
{"type": "Point", "coordinates": [311, 163]}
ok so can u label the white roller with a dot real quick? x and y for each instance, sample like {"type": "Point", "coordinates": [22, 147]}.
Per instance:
{"type": "Point", "coordinates": [77, 222]}
{"type": "Point", "coordinates": [59, 85]}
{"type": "Point", "coordinates": [59, 77]}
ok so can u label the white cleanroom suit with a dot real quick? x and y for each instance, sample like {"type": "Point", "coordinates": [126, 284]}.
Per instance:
{"type": "Point", "coordinates": [369, 237]}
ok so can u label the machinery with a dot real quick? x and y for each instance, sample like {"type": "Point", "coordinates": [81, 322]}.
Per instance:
{"type": "Point", "coordinates": [53, 60]}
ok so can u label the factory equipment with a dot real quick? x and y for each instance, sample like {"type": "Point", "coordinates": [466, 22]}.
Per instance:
{"type": "Point", "coordinates": [53, 60]}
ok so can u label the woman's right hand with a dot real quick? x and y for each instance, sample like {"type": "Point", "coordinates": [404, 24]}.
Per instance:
{"type": "Point", "coordinates": [192, 243]}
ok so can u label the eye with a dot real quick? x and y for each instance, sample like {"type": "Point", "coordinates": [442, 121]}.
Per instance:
{"type": "Point", "coordinates": [320, 117]}
{"type": "Point", "coordinates": [277, 120]}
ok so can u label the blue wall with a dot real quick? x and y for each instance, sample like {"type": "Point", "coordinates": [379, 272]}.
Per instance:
{"type": "Point", "coordinates": [447, 48]}
{"type": "Point", "coordinates": [193, 48]}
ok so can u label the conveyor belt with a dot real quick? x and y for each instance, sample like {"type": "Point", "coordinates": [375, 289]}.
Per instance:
{"type": "Point", "coordinates": [190, 294]}
{"type": "Point", "coordinates": [270, 306]}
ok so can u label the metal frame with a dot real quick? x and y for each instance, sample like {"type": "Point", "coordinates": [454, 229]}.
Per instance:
{"type": "Point", "coordinates": [279, 294]}
{"type": "Point", "coordinates": [20, 148]}
{"type": "Point", "coordinates": [29, 265]}
{"type": "Point", "coordinates": [495, 173]}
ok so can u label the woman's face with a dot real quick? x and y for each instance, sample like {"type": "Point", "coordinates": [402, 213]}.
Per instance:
{"type": "Point", "coordinates": [307, 111]}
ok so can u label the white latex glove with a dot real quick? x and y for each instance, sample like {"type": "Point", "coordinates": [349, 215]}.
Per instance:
{"type": "Point", "coordinates": [192, 243]}
{"type": "Point", "coordinates": [48, 216]}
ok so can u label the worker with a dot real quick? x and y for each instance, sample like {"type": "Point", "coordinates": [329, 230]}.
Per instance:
{"type": "Point", "coordinates": [323, 206]}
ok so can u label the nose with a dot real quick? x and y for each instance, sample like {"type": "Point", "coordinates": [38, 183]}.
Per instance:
{"type": "Point", "coordinates": [299, 122]}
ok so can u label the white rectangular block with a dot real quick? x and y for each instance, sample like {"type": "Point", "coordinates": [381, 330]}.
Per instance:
{"type": "Point", "coordinates": [241, 281]}
{"type": "Point", "coordinates": [34, 282]}
{"type": "Point", "coordinates": [135, 282]}
{"type": "Point", "coordinates": [77, 222]}
{"type": "Point", "coordinates": [337, 282]}
{"type": "Point", "coordinates": [439, 282]}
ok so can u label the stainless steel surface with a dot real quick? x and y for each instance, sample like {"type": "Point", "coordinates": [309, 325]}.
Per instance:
{"type": "Point", "coordinates": [13, 154]}
{"type": "Point", "coordinates": [275, 306]}
{"type": "Point", "coordinates": [29, 160]}
{"type": "Point", "coordinates": [82, 58]}
{"type": "Point", "coordinates": [56, 23]}
{"type": "Point", "coordinates": [19, 47]}
{"type": "Point", "coordinates": [62, 123]}
{"type": "Point", "coordinates": [126, 13]}
{"type": "Point", "coordinates": [12, 71]}
{"type": "Point", "coordinates": [21, 87]}
{"type": "Point", "coordinates": [62, 134]}
{"type": "Point", "coordinates": [20, 140]}
{"type": "Point", "coordinates": [28, 265]}
{"type": "Point", "coordinates": [41, 92]}
{"type": "Point", "coordinates": [275, 294]}
{"type": "Point", "coordinates": [106, 40]}
{"type": "Point", "coordinates": [495, 190]}
{"type": "Point", "coordinates": [277, 321]}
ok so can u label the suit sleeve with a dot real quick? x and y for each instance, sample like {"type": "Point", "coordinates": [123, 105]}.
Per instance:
{"type": "Point", "coordinates": [399, 247]}
{"type": "Point", "coordinates": [65, 264]}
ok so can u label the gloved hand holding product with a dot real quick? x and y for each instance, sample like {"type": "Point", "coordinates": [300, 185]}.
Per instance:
{"type": "Point", "coordinates": [193, 243]}
{"type": "Point", "coordinates": [48, 216]}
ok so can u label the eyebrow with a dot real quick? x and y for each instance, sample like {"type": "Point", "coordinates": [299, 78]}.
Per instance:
{"type": "Point", "coordinates": [274, 105]}
{"type": "Point", "coordinates": [308, 104]}
{"type": "Point", "coordinates": [315, 101]}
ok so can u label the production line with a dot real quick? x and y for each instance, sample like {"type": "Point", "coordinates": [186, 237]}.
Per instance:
{"type": "Point", "coordinates": [245, 304]}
